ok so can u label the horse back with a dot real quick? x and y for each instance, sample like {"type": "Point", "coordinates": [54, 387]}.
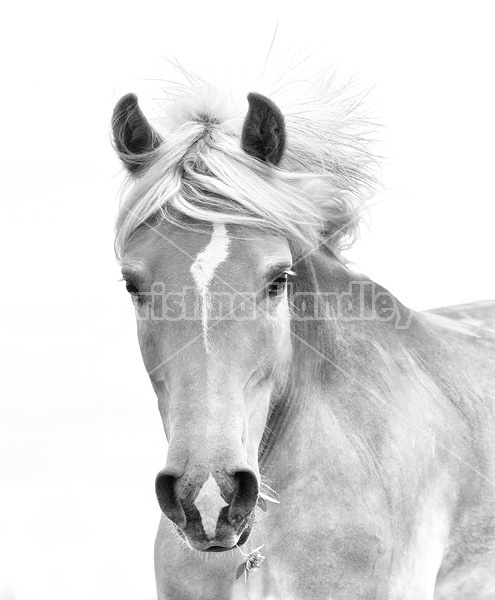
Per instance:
{"type": "Point", "coordinates": [475, 317]}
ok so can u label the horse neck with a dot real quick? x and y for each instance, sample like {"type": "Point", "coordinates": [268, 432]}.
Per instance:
{"type": "Point", "coordinates": [337, 348]}
{"type": "Point", "coordinates": [367, 397]}
{"type": "Point", "coordinates": [341, 319]}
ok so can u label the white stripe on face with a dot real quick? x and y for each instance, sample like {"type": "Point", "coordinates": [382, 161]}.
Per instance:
{"type": "Point", "coordinates": [209, 503]}
{"type": "Point", "coordinates": [203, 269]}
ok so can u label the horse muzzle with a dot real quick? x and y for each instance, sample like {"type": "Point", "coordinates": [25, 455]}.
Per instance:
{"type": "Point", "coordinates": [213, 513]}
{"type": "Point", "coordinates": [222, 542]}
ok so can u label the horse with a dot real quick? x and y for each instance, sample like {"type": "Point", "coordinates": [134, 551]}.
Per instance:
{"type": "Point", "coordinates": [324, 441]}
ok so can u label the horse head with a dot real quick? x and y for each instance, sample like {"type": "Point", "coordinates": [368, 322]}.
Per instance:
{"type": "Point", "coordinates": [213, 326]}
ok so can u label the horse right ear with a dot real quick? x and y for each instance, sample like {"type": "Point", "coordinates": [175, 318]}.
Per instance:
{"type": "Point", "coordinates": [263, 133]}
{"type": "Point", "coordinates": [133, 136]}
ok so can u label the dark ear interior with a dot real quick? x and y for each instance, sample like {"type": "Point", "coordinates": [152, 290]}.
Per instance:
{"type": "Point", "coordinates": [133, 136]}
{"type": "Point", "coordinates": [263, 133]}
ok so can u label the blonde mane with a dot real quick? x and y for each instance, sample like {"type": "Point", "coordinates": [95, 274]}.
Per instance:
{"type": "Point", "coordinates": [201, 173]}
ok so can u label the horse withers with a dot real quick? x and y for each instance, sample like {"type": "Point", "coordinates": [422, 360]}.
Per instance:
{"type": "Point", "coordinates": [312, 420]}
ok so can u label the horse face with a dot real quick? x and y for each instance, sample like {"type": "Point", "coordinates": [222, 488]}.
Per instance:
{"type": "Point", "coordinates": [213, 327]}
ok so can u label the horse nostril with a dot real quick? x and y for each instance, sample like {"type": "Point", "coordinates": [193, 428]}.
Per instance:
{"type": "Point", "coordinates": [165, 488]}
{"type": "Point", "coordinates": [246, 495]}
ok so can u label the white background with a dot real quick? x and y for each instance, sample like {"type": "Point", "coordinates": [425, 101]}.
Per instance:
{"type": "Point", "coordinates": [80, 437]}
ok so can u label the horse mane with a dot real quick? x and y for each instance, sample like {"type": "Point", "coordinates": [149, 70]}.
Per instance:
{"type": "Point", "coordinates": [200, 172]}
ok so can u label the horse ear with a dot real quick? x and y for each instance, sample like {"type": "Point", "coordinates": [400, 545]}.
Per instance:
{"type": "Point", "coordinates": [133, 136]}
{"type": "Point", "coordinates": [263, 133]}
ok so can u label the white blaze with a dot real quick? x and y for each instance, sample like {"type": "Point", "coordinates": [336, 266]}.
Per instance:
{"type": "Point", "coordinates": [203, 269]}
{"type": "Point", "coordinates": [209, 503]}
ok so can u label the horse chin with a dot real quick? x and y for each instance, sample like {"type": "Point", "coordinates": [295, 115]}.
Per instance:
{"type": "Point", "coordinates": [243, 538]}
{"type": "Point", "coordinates": [219, 545]}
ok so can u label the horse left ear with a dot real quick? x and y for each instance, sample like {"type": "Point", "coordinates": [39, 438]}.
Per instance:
{"type": "Point", "coordinates": [263, 133]}
{"type": "Point", "coordinates": [133, 136]}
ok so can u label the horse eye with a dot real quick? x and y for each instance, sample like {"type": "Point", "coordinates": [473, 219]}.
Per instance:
{"type": "Point", "coordinates": [277, 286]}
{"type": "Point", "coordinates": [131, 288]}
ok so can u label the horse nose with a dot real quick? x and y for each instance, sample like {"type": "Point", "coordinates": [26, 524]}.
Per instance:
{"type": "Point", "coordinates": [166, 493]}
{"type": "Point", "coordinates": [172, 502]}
{"type": "Point", "coordinates": [245, 496]}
